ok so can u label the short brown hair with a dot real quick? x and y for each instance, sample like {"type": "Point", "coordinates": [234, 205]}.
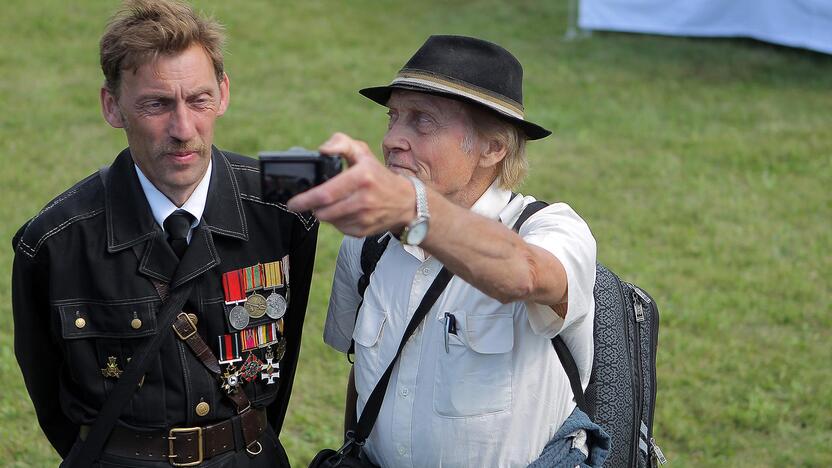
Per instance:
{"type": "Point", "coordinates": [144, 29]}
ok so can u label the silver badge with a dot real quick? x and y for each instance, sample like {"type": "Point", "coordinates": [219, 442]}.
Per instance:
{"type": "Point", "coordinates": [275, 306]}
{"type": "Point", "coordinates": [239, 317]}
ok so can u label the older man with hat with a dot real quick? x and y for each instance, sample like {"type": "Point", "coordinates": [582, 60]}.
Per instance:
{"type": "Point", "coordinates": [476, 382]}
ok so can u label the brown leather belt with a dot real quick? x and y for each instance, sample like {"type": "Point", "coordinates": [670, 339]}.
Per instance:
{"type": "Point", "coordinates": [188, 446]}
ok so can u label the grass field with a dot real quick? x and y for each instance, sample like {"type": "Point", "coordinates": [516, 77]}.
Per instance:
{"type": "Point", "coordinates": [704, 168]}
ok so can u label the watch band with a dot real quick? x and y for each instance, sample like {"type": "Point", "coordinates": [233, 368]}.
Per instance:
{"type": "Point", "coordinates": [421, 198]}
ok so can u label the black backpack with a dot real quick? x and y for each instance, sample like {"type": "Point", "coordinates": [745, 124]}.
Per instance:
{"type": "Point", "coordinates": [621, 394]}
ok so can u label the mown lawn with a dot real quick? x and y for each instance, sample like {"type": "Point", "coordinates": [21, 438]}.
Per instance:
{"type": "Point", "coordinates": [703, 167]}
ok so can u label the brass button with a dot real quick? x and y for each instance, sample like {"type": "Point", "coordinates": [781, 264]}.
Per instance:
{"type": "Point", "coordinates": [202, 408]}
{"type": "Point", "coordinates": [136, 323]}
{"type": "Point", "coordinates": [193, 318]}
{"type": "Point", "coordinates": [80, 322]}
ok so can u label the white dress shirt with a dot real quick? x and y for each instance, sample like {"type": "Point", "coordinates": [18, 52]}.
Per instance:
{"type": "Point", "coordinates": [500, 393]}
{"type": "Point", "coordinates": [162, 207]}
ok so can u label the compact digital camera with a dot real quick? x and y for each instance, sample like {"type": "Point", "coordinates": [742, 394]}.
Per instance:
{"type": "Point", "coordinates": [284, 174]}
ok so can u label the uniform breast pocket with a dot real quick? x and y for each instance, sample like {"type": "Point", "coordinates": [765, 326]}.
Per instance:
{"type": "Point", "coordinates": [474, 377]}
{"type": "Point", "coordinates": [369, 328]}
{"type": "Point", "coordinates": [100, 338]}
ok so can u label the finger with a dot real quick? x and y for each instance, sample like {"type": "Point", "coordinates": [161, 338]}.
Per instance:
{"type": "Point", "coordinates": [329, 192]}
{"type": "Point", "coordinates": [352, 150]}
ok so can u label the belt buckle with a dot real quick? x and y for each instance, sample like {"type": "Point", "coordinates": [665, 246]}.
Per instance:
{"type": "Point", "coordinates": [171, 443]}
{"type": "Point", "coordinates": [191, 332]}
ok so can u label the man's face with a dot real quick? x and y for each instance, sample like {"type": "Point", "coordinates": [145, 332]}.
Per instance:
{"type": "Point", "coordinates": [426, 137]}
{"type": "Point", "coordinates": [167, 109]}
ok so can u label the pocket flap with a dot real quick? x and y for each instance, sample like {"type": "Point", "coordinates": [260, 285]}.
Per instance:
{"type": "Point", "coordinates": [368, 326]}
{"type": "Point", "coordinates": [491, 333]}
{"type": "Point", "coordinates": [108, 320]}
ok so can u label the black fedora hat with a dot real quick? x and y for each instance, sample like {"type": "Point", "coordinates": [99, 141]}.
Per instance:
{"type": "Point", "coordinates": [469, 69]}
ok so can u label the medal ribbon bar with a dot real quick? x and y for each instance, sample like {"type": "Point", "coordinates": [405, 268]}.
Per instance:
{"type": "Point", "coordinates": [272, 273]}
{"type": "Point", "coordinates": [229, 349]}
{"type": "Point", "coordinates": [233, 286]}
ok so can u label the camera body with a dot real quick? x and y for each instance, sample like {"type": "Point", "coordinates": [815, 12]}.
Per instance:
{"type": "Point", "coordinates": [284, 174]}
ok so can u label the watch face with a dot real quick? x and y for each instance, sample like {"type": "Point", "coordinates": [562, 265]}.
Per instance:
{"type": "Point", "coordinates": [416, 234]}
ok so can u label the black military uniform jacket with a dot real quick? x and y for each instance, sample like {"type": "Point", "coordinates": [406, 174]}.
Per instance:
{"type": "Point", "coordinates": [91, 254]}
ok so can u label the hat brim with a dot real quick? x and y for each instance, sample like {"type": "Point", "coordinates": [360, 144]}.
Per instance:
{"type": "Point", "coordinates": [381, 94]}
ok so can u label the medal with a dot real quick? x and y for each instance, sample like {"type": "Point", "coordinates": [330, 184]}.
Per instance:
{"type": "Point", "coordinates": [253, 278]}
{"type": "Point", "coordinates": [256, 306]}
{"type": "Point", "coordinates": [270, 369]}
{"type": "Point", "coordinates": [234, 287]}
{"type": "Point", "coordinates": [275, 306]}
{"type": "Point", "coordinates": [230, 380]}
{"type": "Point", "coordinates": [281, 349]}
{"type": "Point", "coordinates": [238, 317]}
{"type": "Point", "coordinates": [251, 368]}
{"type": "Point", "coordinates": [273, 276]}
{"type": "Point", "coordinates": [112, 370]}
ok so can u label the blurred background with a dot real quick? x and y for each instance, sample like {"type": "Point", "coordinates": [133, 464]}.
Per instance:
{"type": "Point", "coordinates": [703, 167]}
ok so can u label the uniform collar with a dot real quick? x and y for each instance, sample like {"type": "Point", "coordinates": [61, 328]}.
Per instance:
{"type": "Point", "coordinates": [130, 221]}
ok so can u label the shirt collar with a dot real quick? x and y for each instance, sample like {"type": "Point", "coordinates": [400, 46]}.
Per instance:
{"type": "Point", "coordinates": [162, 207]}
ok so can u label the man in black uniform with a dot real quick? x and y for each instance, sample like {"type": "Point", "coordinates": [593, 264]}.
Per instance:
{"type": "Point", "coordinates": [173, 218]}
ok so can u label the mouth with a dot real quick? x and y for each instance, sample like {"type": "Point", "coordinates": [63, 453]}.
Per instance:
{"type": "Point", "coordinates": [397, 168]}
{"type": "Point", "coordinates": [182, 156]}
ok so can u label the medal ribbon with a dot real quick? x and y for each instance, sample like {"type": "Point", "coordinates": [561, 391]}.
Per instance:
{"type": "Point", "coordinates": [232, 285]}
{"type": "Point", "coordinates": [253, 277]}
{"type": "Point", "coordinates": [273, 277]}
{"type": "Point", "coordinates": [229, 349]}
{"type": "Point", "coordinates": [249, 338]}
{"type": "Point", "coordinates": [284, 267]}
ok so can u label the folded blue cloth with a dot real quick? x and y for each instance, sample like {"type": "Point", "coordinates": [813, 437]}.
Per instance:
{"type": "Point", "coordinates": [566, 449]}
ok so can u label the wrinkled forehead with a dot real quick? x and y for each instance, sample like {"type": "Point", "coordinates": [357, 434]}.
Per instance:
{"type": "Point", "coordinates": [402, 99]}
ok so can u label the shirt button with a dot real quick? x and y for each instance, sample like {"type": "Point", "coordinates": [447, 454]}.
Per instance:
{"type": "Point", "coordinates": [426, 271]}
{"type": "Point", "coordinates": [404, 391]}
{"type": "Point", "coordinates": [402, 450]}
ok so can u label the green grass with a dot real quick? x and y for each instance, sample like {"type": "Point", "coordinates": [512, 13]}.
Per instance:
{"type": "Point", "coordinates": [703, 167]}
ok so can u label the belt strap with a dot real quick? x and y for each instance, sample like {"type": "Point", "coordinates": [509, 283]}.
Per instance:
{"type": "Point", "coordinates": [184, 446]}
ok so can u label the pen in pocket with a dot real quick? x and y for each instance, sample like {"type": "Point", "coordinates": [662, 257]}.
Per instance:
{"type": "Point", "coordinates": [450, 328]}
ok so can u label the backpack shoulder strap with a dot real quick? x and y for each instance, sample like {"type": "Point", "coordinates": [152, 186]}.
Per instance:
{"type": "Point", "coordinates": [371, 251]}
{"type": "Point", "coordinates": [566, 359]}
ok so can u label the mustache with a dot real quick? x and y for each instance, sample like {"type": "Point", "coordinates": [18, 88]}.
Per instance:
{"type": "Point", "coordinates": [182, 148]}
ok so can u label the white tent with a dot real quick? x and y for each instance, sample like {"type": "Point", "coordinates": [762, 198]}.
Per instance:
{"type": "Point", "coordinates": [796, 23]}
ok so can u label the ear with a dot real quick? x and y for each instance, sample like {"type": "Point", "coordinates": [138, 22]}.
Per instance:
{"type": "Point", "coordinates": [225, 94]}
{"type": "Point", "coordinates": [109, 108]}
{"type": "Point", "coordinates": [494, 152]}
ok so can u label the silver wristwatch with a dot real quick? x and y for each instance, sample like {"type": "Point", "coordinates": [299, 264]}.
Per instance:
{"type": "Point", "coordinates": [416, 231]}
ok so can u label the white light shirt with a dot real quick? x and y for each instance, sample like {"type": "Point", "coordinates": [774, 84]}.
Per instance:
{"type": "Point", "coordinates": [162, 207]}
{"type": "Point", "coordinates": [500, 393]}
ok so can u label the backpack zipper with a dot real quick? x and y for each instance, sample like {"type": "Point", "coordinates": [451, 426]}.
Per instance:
{"type": "Point", "coordinates": [657, 452]}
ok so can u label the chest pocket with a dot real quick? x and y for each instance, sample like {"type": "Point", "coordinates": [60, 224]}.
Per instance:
{"type": "Point", "coordinates": [369, 328]}
{"type": "Point", "coordinates": [474, 377]}
{"type": "Point", "coordinates": [99, 339]}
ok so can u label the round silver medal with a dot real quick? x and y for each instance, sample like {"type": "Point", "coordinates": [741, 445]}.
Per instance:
{"type": "Point", "coordinates": [275, 306]}
{"type": "Point", "coordinates": [238, 317]}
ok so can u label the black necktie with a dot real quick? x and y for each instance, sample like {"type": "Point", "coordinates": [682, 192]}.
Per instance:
{"type": "Point", "coordinates": [177, 225]}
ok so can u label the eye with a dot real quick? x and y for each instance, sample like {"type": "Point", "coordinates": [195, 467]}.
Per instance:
{"type": "Point", "coordinates": [391, 117]}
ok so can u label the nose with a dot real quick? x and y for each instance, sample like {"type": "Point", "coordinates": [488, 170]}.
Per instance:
{"type": "Point", "coordinates": [182, 124]}
{"type": "Point", "coordinates": [395, 139]}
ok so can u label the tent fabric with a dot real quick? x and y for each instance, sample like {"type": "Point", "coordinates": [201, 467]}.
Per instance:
{"type": "Point", "coordinates": [795, 23]}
